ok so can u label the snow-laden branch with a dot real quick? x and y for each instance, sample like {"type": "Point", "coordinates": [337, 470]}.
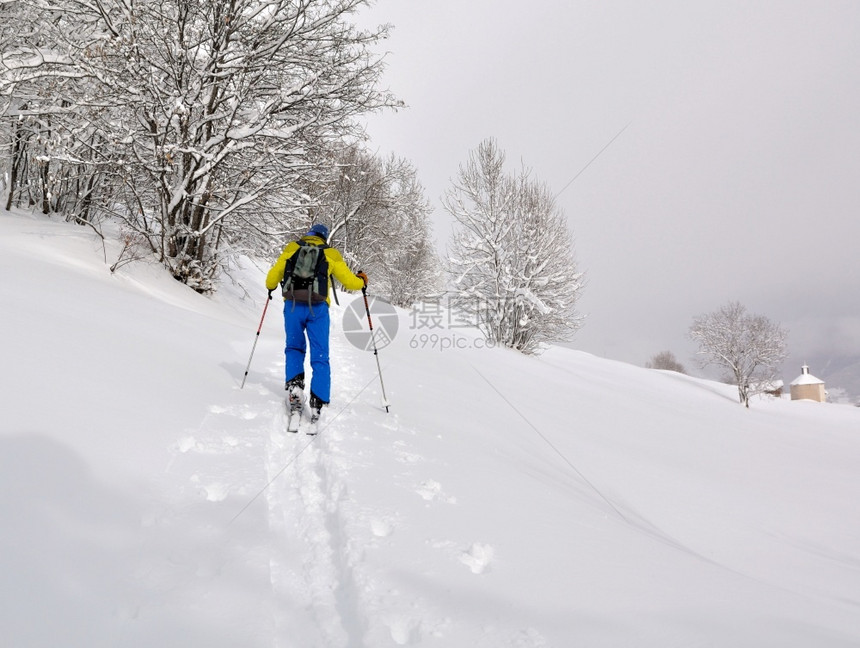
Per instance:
{"type": "Point", "coordinates": [510, 258]}
{"type": "Point", "coordinates": [751, 347]}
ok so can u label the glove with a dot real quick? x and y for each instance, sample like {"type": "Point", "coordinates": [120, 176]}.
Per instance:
{"type": "Point", "coordinates": [362, 276]}
{"type": "Point", "coordinates": [270, 295]}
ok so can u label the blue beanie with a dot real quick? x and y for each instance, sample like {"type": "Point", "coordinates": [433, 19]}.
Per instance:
{"type": "Point", "coordinates": [319, 230]}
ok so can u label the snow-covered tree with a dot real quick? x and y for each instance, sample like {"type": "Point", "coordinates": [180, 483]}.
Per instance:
{"type": "Point", "coordinates": [666, 361]}
{"type": "Point", "coordinates": [57, 155]}
{"type": "Point", "coordinates": [213, 111]}
{"type": "Point", "coordinates": [750, 347]}
{"type": "Point", "coordinates": [379, 217]}
{"type": "Point", "coordinates": [511, 256]}
{"type": "Point", "coordinates": [412, 267]}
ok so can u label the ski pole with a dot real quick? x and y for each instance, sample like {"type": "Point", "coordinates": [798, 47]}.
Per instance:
{"type": "Point", "coordinates": [375, 352]}
{"type": "Point", "coordinates": [253, 348]}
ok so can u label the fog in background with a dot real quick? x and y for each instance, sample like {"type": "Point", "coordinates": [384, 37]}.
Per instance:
{"type": "Point", "coordinates": [735, 169]}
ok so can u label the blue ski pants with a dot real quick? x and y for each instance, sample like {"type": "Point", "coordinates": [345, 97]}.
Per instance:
{"type": "Point", "coordinates": [301, 319]}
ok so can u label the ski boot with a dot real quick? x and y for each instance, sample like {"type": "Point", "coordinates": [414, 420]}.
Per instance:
{"type": "Point", "coordinates": [295, 404]}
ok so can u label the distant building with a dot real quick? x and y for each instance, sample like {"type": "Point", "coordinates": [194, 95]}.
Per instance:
{"type": "Point", "coordinates": [774, 388]}
{"type": "Point", "coordinates": [808, 387]}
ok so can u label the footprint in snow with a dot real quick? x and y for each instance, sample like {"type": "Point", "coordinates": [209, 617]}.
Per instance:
{"type": "Point", "coordinates": [243, 412]}
{"type": "Point", "coordinates": [431, 489]}
{"type": "Point", "coordinates": [214, 492]}
{"type": "Point", "coordinates": [478, 558]}
{"type": "Point", "coordinates": [408, 457]}
{"type": "Point", "coordinates": [381, 528]}
{"type": "Point", "coordinates": [404, 630]}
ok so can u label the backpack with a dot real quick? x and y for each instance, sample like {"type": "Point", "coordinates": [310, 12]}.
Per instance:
{"type": "Point", "coordinates": [306, 274]}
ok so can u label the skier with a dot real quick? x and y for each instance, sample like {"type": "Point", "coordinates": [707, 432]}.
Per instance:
{"type": "Point", "coordinates": [306, 312]}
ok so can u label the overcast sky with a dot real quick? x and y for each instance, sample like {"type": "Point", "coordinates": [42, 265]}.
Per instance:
{"type": "Point", "coordinates": [737, 176]}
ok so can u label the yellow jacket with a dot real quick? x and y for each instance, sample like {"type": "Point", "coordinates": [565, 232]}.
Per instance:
{"type": "Point", "coordinates": [336, 266]}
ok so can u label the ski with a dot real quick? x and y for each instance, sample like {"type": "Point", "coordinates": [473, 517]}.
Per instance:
{"type": "Point", "coordinates": [295, 405]}
{"type": "Point", "coordinates": [294, 421]}
{"type": "Point", "coordinates": [295, 411]}
{"type": "Point", "coordinates": [313, 428]}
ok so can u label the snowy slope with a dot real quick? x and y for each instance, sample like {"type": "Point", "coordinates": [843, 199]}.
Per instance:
{"type": "Point", "coordinates": [561, 501]}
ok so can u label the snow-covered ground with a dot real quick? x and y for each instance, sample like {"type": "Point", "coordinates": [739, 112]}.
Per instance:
{"type": "Point", "coordinates": [504, 501]}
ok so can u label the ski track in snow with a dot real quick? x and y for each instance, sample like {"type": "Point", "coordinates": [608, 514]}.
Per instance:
{"type": "Point", "coordinates": [311, 565]}
{"type": "Point", "coordinates": [327, 593]}
{"type": "Point", "coordinates": [325, 554]}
